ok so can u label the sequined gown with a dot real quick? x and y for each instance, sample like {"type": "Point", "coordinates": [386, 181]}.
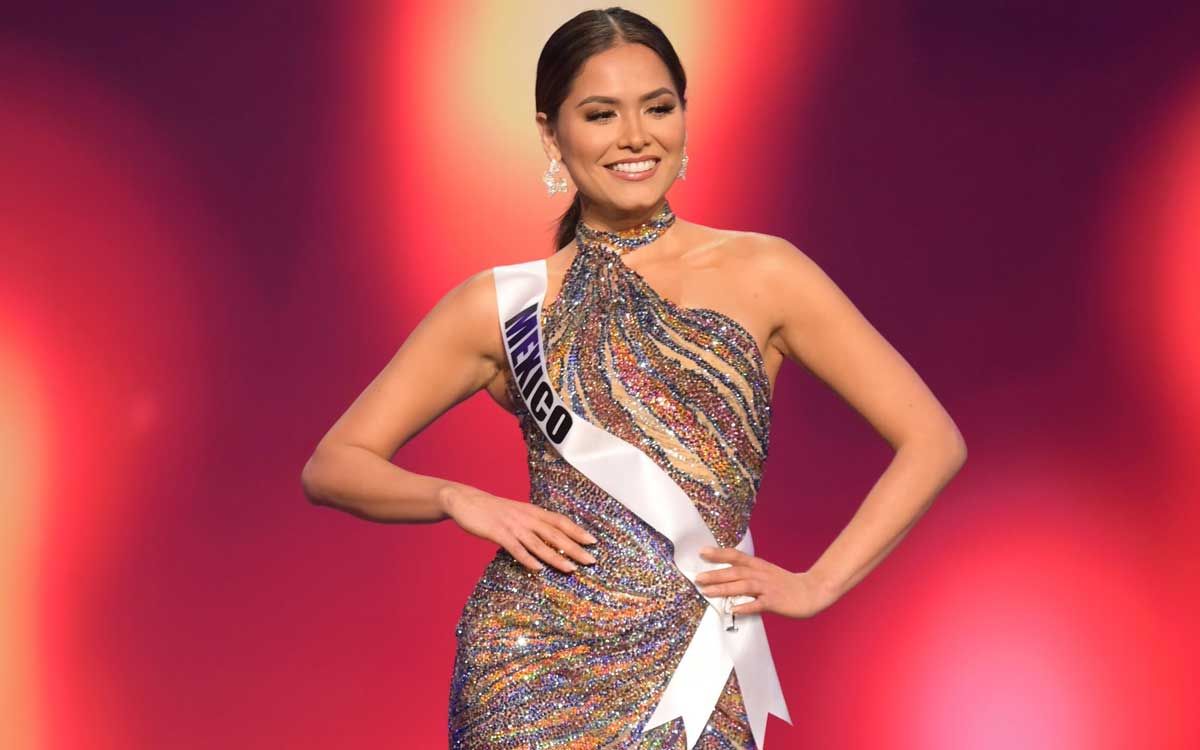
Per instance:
{"type": "Point", "coordinates": [549, 659]}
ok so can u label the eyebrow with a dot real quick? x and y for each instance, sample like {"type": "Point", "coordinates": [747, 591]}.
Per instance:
{"type": "Point", "coordinates": [610, 100]}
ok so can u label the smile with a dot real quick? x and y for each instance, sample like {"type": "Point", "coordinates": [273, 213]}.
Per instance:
{"type": "Point", "coordinates": [637, 170]}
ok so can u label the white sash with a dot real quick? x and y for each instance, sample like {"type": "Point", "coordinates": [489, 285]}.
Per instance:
{"type": "Point", "coordinates": [634, 479]}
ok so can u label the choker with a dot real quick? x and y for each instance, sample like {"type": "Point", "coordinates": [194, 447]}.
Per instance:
{"type": "Point", "coordinates": [632, 238]}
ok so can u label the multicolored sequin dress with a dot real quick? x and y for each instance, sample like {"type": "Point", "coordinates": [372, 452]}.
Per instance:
{"type": "Point", "coordinates": [549, 659]}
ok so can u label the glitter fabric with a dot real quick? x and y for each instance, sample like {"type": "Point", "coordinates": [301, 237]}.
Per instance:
{"type": "Point", "coordinates": [547, 659]}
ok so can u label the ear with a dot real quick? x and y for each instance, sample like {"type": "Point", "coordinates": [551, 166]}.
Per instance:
{"type": "Point", "coordinates": [549, 139]}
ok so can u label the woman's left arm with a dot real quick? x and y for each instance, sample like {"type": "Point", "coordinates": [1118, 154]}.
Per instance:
{"type": "Point", "coordinates": [817, 326]}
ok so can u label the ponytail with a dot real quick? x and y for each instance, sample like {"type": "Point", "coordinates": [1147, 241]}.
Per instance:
{"type": "Point", "coordinates": [568, 222]}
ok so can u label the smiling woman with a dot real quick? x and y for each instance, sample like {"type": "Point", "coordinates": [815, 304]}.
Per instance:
{"type": "Point", "coordinates": [625, 107]}
{"type": "Point", "coordinates": [624, 605]}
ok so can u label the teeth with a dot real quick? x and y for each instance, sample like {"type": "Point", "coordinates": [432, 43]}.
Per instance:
{"type": "Point", "coordinates": [633, 167]}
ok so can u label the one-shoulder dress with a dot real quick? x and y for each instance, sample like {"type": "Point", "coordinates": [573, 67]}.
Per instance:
{"type": "Point", "coordinates": [549, 659]}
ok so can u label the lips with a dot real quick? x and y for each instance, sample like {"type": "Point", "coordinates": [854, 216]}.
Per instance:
{"type": "Point", "coordinates": [634, 164]}
{"type": "Point", "coordinates": [634, 176]}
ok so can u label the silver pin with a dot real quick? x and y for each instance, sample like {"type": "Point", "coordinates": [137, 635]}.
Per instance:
{"type": "Point", "coordinates": [732, 626]}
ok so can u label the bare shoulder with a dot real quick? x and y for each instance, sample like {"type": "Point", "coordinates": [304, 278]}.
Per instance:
{"type": "Point", "coordinates": [766, 251]}
{"type": "Point", "coordinates": [787, 288]}
{"type": "Point", "coordinates": [792, 275]}
{"type": "Point", "coordinates": [475, 302]}
{"type": "Point", "coordinates": [471, 306]}
{"type": "Point", "coordinates": [776, 264]}
{"type": "Point", "coordinates": [759, 261]}
{"type": "Point", "coordinates": [743, 247]}
{"type": "Point", "coordinates": [806, 305]}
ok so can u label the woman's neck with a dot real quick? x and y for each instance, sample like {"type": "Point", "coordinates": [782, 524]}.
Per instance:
{"type": "Point", "coordinates": [596, 217]}
{"type": "Point", "coordinates": [631, 235]}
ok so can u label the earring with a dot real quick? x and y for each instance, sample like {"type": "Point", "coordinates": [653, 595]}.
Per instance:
{"type": "Point", "coordinates": [554, 185]}
{"type": "Point", "coordinates": [683, 161]}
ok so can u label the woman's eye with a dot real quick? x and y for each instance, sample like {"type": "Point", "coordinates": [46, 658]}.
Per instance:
{"type": "Point", "coordinates": [604, 114]}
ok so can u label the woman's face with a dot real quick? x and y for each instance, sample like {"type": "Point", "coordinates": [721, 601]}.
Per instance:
{"type": "Point", "coordinates": [607, 117]}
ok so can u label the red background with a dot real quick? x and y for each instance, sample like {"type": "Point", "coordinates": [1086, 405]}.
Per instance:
{"type": "Point", "coordinates": [218, 225]}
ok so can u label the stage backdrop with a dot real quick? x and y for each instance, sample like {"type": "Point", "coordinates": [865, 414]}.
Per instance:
{"type": "Point", "coordinates": [218, 223]}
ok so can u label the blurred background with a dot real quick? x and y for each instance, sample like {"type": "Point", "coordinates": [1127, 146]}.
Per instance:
{"type": "Point", "coordinates": [219, 221]}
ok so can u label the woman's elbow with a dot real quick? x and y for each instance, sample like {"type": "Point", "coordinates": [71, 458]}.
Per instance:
{"type": "Point", "coordinates": [958, 449]}
{"type": "Point", "coordinates": [311, 479]}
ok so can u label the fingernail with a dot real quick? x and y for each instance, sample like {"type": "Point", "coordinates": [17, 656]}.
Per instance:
{"type": "Point", "coordinates": [571, 566]}
{"type": "Point", "coordinates": [589, 538]}
{"type": "Point", "coordinates": [589, 558]}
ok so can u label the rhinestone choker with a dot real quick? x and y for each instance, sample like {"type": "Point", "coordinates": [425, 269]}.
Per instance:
{"type": "Point", "coordinates": [632, 238]}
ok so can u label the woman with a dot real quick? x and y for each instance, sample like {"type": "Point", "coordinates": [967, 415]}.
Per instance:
{"type": "Point", "coordinates": [595, 625]}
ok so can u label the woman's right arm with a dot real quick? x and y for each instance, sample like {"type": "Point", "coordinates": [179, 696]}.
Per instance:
{"type": "Point", "coordinates": [452, 353]}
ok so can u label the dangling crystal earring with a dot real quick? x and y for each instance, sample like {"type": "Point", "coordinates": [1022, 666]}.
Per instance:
{"type": "Point", "coordinates": [683, 161]}
{"type": "Point", "coordinates": [554, 185]}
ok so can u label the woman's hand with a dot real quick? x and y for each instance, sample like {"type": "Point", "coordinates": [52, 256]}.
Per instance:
{"type": "Point", "coordinates": [524, 529]}
{"type": "Point", "coordinates": [775, 589]}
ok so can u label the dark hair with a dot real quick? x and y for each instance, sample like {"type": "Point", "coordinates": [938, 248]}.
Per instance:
{"type": "Point", "coordinates": [570, 46]}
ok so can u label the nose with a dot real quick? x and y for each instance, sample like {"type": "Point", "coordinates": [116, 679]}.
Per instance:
{"type": "Point", "coordinates": [633, 135]}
